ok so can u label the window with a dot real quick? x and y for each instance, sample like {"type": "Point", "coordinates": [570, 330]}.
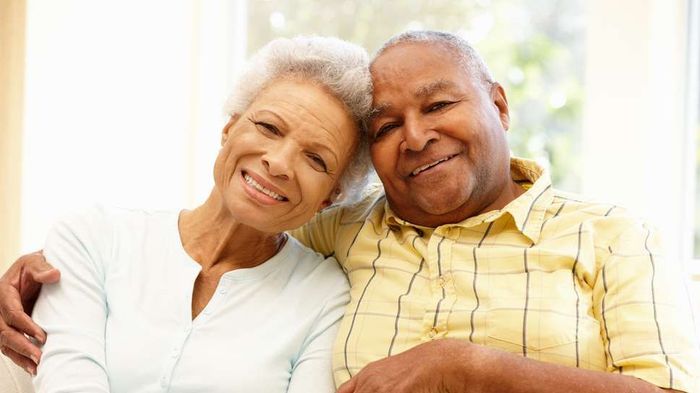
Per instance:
{"type": "Point", "coordinates": [694, 110]}
{"type": "Point", "coordinates": [535, 49]}
{"type": "Point", "coordinates": [132, 117]}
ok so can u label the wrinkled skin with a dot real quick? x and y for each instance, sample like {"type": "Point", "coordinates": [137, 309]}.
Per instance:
{"type": "Point", "coordinates": [19, 289]}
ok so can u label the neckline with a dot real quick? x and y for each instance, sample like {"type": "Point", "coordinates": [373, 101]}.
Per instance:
{"type": "Point", "coordinates": [251, 273]}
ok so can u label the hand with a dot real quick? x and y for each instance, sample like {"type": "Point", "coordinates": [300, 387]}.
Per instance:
{"type": "Point", "coordinates": [432, 367]}
{"type": "Point", "coordinates": [19, 289]}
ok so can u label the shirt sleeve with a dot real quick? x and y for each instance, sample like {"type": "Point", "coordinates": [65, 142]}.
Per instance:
{"type": "Point", "coordinates": [320, 232]}
{"type": "Point", "coordinates": [73, 312]}
{"type": "Point", "coordinates": [326, 230]}
{"type": "Point", "coordinates": [312, 372]}
{"type": "Point", "coordinates": [645, 313]}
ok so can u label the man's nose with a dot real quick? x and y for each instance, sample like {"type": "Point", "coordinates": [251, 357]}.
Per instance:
{"type": "Point", "coordinates": [417, 135]}
{"type": "Point", "coordinates": [279, 161]}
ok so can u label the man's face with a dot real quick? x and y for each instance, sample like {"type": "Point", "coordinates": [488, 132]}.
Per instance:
{"type": "Point", "coordinates": [438, 138]}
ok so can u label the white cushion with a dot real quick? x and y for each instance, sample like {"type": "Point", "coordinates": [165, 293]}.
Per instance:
{"type": "Point", "coordinates": [13, 379]}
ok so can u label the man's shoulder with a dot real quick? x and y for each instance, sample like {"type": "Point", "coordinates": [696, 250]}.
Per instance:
{"type": "Point", "coordinates": [570, 202]}
{"type": "Point", "coordinates": [371, 201]}
{"type": "Point", "coordinates": [602, 219]}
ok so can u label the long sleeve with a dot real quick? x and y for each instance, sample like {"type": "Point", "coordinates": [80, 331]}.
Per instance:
{"type": "Point", "coordinates": [645, 313]}
{"type": "Point", "coordinates": [74, 311]}
{"type": "Point", "coordinates": [312, 371]}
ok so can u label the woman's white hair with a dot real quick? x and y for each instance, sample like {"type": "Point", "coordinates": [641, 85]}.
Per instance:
{"type": "Point", "coordinates": [340, 67]}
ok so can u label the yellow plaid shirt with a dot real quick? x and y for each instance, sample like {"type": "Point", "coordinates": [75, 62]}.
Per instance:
{"type": "Point", "coordinates": [550, 277]}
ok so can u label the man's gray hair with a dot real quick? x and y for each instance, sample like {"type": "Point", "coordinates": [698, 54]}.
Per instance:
{"type": "Point", "coordinates": [338, 66]}
{"type": "Point", "coordinates": [465, 52]}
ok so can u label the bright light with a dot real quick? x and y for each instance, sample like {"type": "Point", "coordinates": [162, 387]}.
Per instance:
{"type": "Point", "coordinates": [277, 20]}
{"type": "Point", "coordinates": [557, 100]}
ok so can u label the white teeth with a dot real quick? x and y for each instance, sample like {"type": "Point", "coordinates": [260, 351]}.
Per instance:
{"type": "Point", "coordinates": [426, 166]}
{"type": "Point", "coordinates": [262, 189]}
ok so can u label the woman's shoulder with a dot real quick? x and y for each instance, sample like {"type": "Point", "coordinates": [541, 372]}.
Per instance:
{"type": "Point", "coordinates": [98, 229]}
{"type": "Point", "coordinates": [102, 219]}
{"type": "Point", "coordinates": [314, 268]}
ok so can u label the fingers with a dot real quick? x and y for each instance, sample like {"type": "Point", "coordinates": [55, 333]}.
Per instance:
{"type": "Point", "coordinates": [15, 318]}
{"type": "Point", "coordinates": [20, 360]}
{"type": "Point", "coordinates": [18, 343]}
{"type": "Point", "coordinates": [38, 270]}
{"type": "Point", "coordinates": [347, 387]}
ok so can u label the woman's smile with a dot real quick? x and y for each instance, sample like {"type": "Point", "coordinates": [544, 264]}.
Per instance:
{"type": "Point", "coordinates": [260, 190]}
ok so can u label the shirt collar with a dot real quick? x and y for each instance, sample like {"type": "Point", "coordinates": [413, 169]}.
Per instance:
{"type": "Point", "coordinates": [527, 211]}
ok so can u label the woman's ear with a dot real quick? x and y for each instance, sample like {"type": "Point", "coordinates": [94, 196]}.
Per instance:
{"type": "Point", "coordinates": [335, 194]}
{"type": "Point", "coordinates": [227, 128]}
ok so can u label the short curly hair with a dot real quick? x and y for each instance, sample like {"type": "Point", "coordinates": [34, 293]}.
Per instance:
{"type": "Point", "coordinates": [461, 48]}
{"type": "Point", "coordinates": [340, 67]}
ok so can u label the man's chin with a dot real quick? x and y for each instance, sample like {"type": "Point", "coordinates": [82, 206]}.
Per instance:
{"type": "Point", "coordinates": [439, 207]}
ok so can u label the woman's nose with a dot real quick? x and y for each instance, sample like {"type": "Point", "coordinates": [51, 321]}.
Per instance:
{"type": "Point", "coordinates": [279, 162]}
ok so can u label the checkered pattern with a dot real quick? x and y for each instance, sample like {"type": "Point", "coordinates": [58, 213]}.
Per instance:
{"type": "Point", "coordinates": [550, 277]}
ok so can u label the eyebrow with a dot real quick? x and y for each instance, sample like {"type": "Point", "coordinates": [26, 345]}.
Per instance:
{"type": "Point", "coordinates": [314, 144]}
{"type": "Point", "coordinates": [421, 92]}
{"type": "Point", "coordinates": [433, 87]}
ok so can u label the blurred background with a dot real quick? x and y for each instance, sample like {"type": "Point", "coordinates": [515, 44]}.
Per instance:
{"type": "Point", "coordinates": [119, 102]}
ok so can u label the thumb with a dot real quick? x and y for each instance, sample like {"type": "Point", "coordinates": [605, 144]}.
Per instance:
{"type": "Point", "coordinates": [348, 387]}
{"type": "Point", "coordinates": [40, 271]}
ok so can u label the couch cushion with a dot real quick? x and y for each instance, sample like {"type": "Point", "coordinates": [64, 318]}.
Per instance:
{"type": "Point", "coordinates": [13, 379]}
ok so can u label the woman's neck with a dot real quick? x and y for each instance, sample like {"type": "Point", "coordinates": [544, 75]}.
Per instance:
{"type": "Point", "coordinates": [218, 242]}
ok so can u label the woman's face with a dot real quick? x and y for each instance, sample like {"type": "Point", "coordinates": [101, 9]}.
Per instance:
{"type": "Point", "coordinates": [281, 159]}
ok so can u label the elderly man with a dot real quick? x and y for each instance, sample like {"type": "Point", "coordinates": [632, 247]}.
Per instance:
{"type": "Point", "coordinates": [469, 272]}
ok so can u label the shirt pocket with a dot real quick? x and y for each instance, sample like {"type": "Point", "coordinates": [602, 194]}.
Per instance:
{"type": "Point", "coordinates": [540, 331]}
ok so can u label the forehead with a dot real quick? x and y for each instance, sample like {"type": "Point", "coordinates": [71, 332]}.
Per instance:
{"type": "Point", "coordinates": [309, 111]}
{"type": "Point", "coordinates": [303, 101]}
{"type": "Point", "coordinates": [417, 60]}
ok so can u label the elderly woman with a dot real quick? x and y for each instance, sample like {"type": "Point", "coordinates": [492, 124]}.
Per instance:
{"type": "Point", "coordinates": [218, 298]}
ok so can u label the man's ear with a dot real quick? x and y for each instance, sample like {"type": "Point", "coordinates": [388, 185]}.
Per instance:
{"type": "Point", "coordinates": [225, 133]}
{"type": "Point", "coordinates": [499, 99]}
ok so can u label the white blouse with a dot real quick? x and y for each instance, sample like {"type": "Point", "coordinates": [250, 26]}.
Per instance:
{"type": "Point", "coordinates": [119, 320]}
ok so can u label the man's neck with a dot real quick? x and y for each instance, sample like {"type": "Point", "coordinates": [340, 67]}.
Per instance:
{"type": "Point", "coordinates": [497, 201]}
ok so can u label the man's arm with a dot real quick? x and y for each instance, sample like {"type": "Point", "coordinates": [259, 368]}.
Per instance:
{"type": "Point", "coordinates": [19, 288]}
{"type": "Point", "coordinates": [458, 366]}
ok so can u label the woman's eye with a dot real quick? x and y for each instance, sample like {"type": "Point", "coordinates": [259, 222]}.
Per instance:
{"type": "Point", "coordinates": [267, 127]}
{"type": "Point", "coordinates": [318, 163]}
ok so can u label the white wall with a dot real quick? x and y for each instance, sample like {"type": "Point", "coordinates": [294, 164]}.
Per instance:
{"type": "Point", "coordinates": [635, 146]}
{"type": "Point", "coordinates": [123, 103]}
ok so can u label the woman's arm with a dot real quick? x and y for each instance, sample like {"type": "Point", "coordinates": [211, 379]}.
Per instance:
{"type": "Point", "coordinates": [312, 371]}
{"type": "Point", "coordinates": [73, 312]}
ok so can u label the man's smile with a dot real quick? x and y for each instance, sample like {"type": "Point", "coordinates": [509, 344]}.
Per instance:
{"type": "Point", "coordinates": [430, 165]}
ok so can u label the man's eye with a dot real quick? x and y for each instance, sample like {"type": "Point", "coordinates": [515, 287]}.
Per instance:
{"type": "Point", "coordinates": [439, 105]}
{"type": "Point", "coordinates": [385, 129]}
{"type": "Point", "coordinates": [318, 163]}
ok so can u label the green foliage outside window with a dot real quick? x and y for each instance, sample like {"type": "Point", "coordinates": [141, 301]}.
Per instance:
{"type": "Point", "coordinates": [533, 47]}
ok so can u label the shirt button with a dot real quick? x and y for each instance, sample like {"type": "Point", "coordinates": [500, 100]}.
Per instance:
{"type": "Point", "coordinates": [443, 280]}
{"type": "Point", "coordinates": [433, 332]}
{"type": "Point", "coordinates": [222, 291]}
